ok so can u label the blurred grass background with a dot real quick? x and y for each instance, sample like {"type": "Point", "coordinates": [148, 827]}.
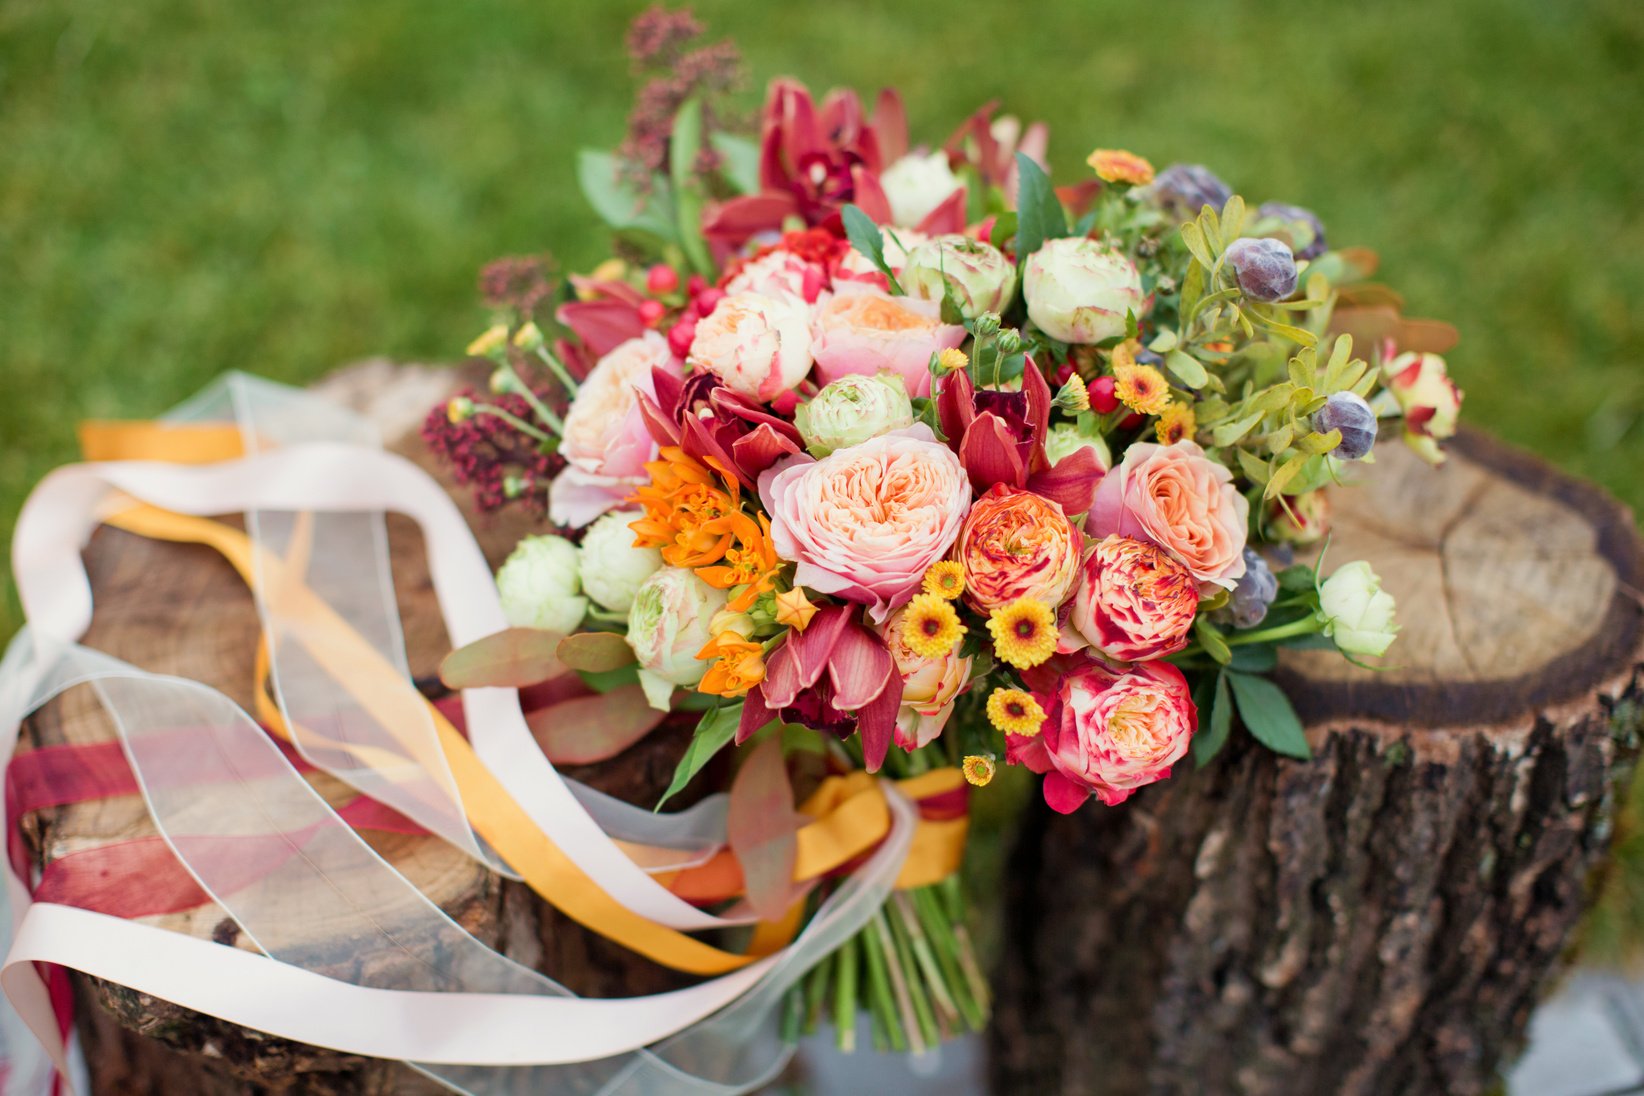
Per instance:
{"type": "Point", "coordinates": [188, 186]}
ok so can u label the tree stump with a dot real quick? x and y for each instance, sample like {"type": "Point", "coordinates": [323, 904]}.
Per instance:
{"type": "Point", "coordinates": [182, 610]}
{"type": "Point", "coordinates": [1379, 919]}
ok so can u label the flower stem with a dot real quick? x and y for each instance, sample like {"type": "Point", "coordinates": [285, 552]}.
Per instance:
{"type": "Point", "coordinates": [557, 368]}
{"type": "Point", "coordinates": [908, 1019]}
{"type": "Point", "coordinates": [816, 992]}
{"type": "Point", "coordinates": [946, 946]}
{"type": "Point", "coordinates": [512, 420]}
{"type": "Point", "coordinates": [879, 984]}
{"type": "Point", "coordinates": [844, 998]}
{"type": "Point", "coordinates": [541, 409]}
{"type": "Point", "coordinates": [916, 988]}
{"type": "Point", "coordinates": [925, 957]}
{"type": "Point", "coordinates": [1305, 626]}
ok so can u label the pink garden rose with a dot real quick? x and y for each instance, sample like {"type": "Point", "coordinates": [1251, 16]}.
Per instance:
{"type": "Point", "coordinates": [1109, 734]}
{"type": "Point", "coordinates": [757, 345]}
{"type": "Point", "coordinates": [1016, 544]}
{"type": "Point", "coordinates": [1178, 498]}
{"type": "Point", "coordinates": [865, 523]}
{"type": "Point", "coordinates": [780, 272]}
{"type": "Point", "coordinates": [1131, 602]}
{"type": "Point", "coordinates": [606, 443]}
{"type": "Point", "coordinates": [929, 686]}
{"type": "Point", "coordinates": [864, 330]}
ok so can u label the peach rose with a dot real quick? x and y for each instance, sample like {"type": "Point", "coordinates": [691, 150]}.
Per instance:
{"type": "Point", "coordinates": [929, 686]}
{"type": "Point", "coordinates": [865, 523]}
{"type": "Point", "coordinates": [1017, 544]}
{"type": "Point", "coordinates": [1109, 734]}
{"type": "Point", "coordinates": [864, 330]}
{"type": "Point", "coordinates": [606, 444]}
{"type": "Point", "coordinates": [1178, 498]}
{"type": "Point", "coordinates": [1131, 602]}
{"type": "Point", "coordinates": [757, 345]}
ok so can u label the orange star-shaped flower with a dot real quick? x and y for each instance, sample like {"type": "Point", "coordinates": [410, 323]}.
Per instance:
{"type": "Point", "coordinates": [794, 610]}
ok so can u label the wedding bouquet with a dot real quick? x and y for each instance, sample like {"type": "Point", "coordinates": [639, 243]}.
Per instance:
{"type": "Point", "coordinates": [899, 459]}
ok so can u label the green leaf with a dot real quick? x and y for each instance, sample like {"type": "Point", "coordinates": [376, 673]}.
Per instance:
{"type": "Point", "coordinates": [713, 734]}
{"type": "Point", "coordinates": [1255, 469]}
{"type": "Point", "coordinates": [1192, 291]}
{"type": "Point", "coordinates": [1212, 641]}
{"type": "Point", "coordinates": [512, 658]}
{"type": "Point", "coordinates": [684, 146]}
{"type": "Point", "coordinates": [1297, 577]}
{"type": "Point", "coordinates": [1267, 714]}
{"type": "Point", "coordinates": [1215, 725]}
{"type": "Point", "coordinates": [1228, 433]}
{"type": "Point", "coordinates": [1193, 237]}
{"type": "Point", "coordinates": [617, 202]}
{"type": "Point", "coordinates": [1255, 658]}
{"type": "Point", "coordinates": [866, 237]}
{"type": "Point", "coordinates": [740, 161]}
{"type": "Point", "coordinates": [1039, 215]}
{"type": "Point", "coordinates": [1286, 472]}
{"type": "Point", "coordinates": [605, 681]}
{"type": "Point", "coordinates": [1186, 368]}
{"type": "Point", "coordinates": [595, 652]}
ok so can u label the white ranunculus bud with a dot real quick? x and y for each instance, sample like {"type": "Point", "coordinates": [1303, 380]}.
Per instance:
{"type": "Point", "coordinates": [670, 621]}
{"type": "Point", "coordinates": [613, 569]}
{"type": "Point", "coordinates": [916, 184]}
{"type": "Point", "coordinates": [540, 587]}
{"type": "Point", "coordinates": [1359, 614]}
{"type": "Point", "coordinates": [851, 410]}
{"type": "Point", "coordinates": [757, 345]}
{"type": "Point", "coordinates": [1065, 439]}
{"type": "Point", "coordinates": [978, 275]}
{"type": "Point", "coordinates": [1078, 290]}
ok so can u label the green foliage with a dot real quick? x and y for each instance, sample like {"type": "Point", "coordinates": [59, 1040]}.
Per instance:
{"type": "Point", "coordinates": [867, 238]}
{"type": "Point", "coordinates": [1040, 216]}
{"type": "Point", "coordinates": [713, 733]}
{"type": "Point", "coordinates": [1266, 713]}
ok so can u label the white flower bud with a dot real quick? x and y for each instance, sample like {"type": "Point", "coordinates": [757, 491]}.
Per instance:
{"type": "Point", "coordinates": [852, 409]}
{"type": "Point", "coordinates": [540, 587]}
{"type": "Point", "coordinates": [1359, 614]}
{"type": "Point", "coordinates": [613, 569]}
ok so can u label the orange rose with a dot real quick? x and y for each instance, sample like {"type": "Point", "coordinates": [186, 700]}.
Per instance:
{"type": "Point", "coordinates": [867, 331]}
{"type": "Point", "coordinates": [1016, 544]}
{"type": "Point", "coordinates": [1178, 498]}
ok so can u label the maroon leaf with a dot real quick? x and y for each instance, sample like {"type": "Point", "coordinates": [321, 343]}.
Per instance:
{"type": "Point", "coordinates": [508, 659]}
{"type": "Point", "coordinates": [761, 827]}
{"type": "Point", "coordinates": [594, 728]}
{"type": "Point", "coordinates": [595, 652]}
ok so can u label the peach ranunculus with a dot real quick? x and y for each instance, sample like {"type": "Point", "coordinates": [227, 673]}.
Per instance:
{"type": "Point", "coordinates": [1178, 498]}
{"type": "Point", "coordinates": [929, 686]}
{"type": "Point", "coordinates": [1017, 544]}
{"type": "Point", "coordinates": [865, 330]}
{"type": "Point", "coordinates": [606, 443]}
{"type": "Point", "coordinates": [1132, 601]}
{"type": "Point", "coordinates": [1109, 733]}
{"type": "Point", "coordinates": [757, 345]}
{"type": "Point", "coordinates": [865, 523]}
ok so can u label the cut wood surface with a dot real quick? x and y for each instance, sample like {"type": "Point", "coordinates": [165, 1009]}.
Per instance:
{"type": "Point", "coordinates": [1382, 918]}
{"type": "Point", "coordinates": [181, 609]}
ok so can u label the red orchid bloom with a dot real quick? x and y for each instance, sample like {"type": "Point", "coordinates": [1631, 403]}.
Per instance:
{"type": "Point", "coordinates": [604, 316]}
{"type": "Point", "coordinates": [836, 676]}
{"type": "Point", "coordinates": [706, 419]}
{"type": "Point", "coordinates": [1000, 438]}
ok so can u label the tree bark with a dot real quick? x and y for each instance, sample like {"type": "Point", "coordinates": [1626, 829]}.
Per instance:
{"type": "Point", "coordinates": [181, 609]}
{"type": "Point", "coordinates": [1381, 918]}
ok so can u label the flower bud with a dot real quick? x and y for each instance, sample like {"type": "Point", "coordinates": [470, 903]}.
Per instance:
{"type": "Point", "coordinates": [1359, 614]}
{"type": "Point", "coordinates": [1301, 519]}
{"type": "Point", "coordinates": [1430, 400]}
{"type": "Point", "coordinates": [977, 275]}
{"type": "Point", "coordinates": [669, 622]}
{"type": "Point", "coordinates": [987, 323]}
{"type": "Point", "coordinates": [460, 409]}
{"type": "Point", "coordinates": [1255, 592]}
{"type": "Point", "coordinates": [1074, 397]}
{"type": "Point", "coordinates": [1298, 227]}
{"type": "Point", "coordinates": [727, 621]}
{"type": "Point", "coordinates": [916, 184]}
{"type": "Point", "coordinates": [1349, 413]}
{"type": "Point", "coordinates": [1265, 268]}
{"type": "Point", "coordinates": [613, 569]}
{"type": "Point", "coordinates": [852, 409]}
{"type": "Point", "coordinates": [493, 338]}
{"type": "Point", "coordinates": [1182, 190]}
{"type": "Point", "coordinates": [528, 337]}
{"type": "Point", "coordinates": [540, 587]}
{"type": "Point", "coordinates": [1080, 290]}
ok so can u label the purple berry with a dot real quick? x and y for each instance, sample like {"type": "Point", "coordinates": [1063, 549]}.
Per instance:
{"type": "Point", "coordinates": [1296, 225]}
{"type": "Point", "coordinates": [1352, 416]}
{"type": "Point", "coordinates": [1255, 592]}
{"type": "Point", "coordinates": [1266, 270]}
{"type": "Point", "coordinates": [1184, 189]}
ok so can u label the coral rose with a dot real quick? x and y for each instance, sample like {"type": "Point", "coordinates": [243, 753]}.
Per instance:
{"type": "Point", "coordinates": [1109, 734]}
{"type": "Point", "coordinates": [757, 345]}
{"type": "Point", "coordinates": [865, 523]}
{"type": "Point", "coordinates": [1131, 602]}
{"type": "Point", "coordinates": [606, 443]}
{"type": "Point", "coordinates": [864, 330]}
{"type": "Point", "coordinates": [1017, 544]}
{"type": "Point", "coordinates": [1178, 498]}
{"type": "Point", "coordinates": [929, 686]}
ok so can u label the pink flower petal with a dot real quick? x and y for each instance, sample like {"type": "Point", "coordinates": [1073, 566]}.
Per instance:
{"type": "Point", "coordinates": [859, 669]}
{"type": "Point", "coordinates": [1063, 795]}
{"type": "Point", "coordinates": [989, 454]}
{"type": "Point", "coordinates": [1072, 483]}
{"type": "Point", "coordinates": [876, 722]}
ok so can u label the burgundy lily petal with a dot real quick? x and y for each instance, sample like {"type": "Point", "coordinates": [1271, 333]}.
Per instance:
{"type": "Point", "coordinates": [815, 645]}
{"type": "Point", "coordinates": [949, 216]}
{"type": "Point", "coordinates": [1039, 398]}
{"type": "Point", "coordinates": [755, 714]}
{"type": "Point", "coordinates": [956, 407]}
{"type": "Point", "coordinates": [869, 195]}
{"type": "Point", "coordinates": [989, 454]}
{"type": "Point", "coordinates": [876, 721]}
{"type": "Point", "coordinates": [753, 453]}
{"type": "Point", "coordinates": [1072, 483]}
{"type": "Point", "coordinates": [739, 218]}
{"type": "Point", "coordinates": [602, 325]}
{"type": "Point", "coordinates": [658, 423]}
{"type": "Point", "coordinates": [667, 384]}
{"type": "Point", "coordinates": [859, 668]}
{"type": "Point", "coordinates": [782, 682]}
{"type": "Point", "coordinates": [890, 121]}
{"type": "Point", "coordinates": [599, 289]}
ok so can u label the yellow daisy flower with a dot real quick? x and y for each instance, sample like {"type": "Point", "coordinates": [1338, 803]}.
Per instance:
{"type": "Point", "coordinates": [1024, 632]}
{"type": "Point", "coordinates": [978, 770]}
{"type": "Point", "coordinates": [946, 580]}
{"type": "Point", "coordinates": [1116, 165]}
{"type": "Point", "coordinates": [1015, 712]}
{"type": "Point", "coordinates": [930, 626]}
{"type": "Point", "coordinates": [951, 360]}
{"type": "Point", "coordinates": [1141, 388]}
{"type": "Point", "coordinates": [1175, 423]}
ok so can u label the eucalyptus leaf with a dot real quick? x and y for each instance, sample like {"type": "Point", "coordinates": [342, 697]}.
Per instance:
{"type": "Point", "coordinates": [739, 158]}
{"type": "Point", "coordinates": [1267, 714]}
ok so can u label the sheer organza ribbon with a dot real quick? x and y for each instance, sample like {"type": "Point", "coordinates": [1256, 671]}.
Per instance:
{"type": "Point", "coordinates": [416, 987]}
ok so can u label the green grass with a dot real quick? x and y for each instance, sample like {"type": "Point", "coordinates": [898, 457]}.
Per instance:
{"type": "Point", "coordinates": [191, 187]}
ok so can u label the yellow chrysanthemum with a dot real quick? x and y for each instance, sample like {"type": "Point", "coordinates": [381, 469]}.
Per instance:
{"type": "Point", "coordinates": [930, 626]}
{"type": "Point", "coordinates": [1116, 165]}
{"type": "Point", "coordinates": [946, 580]}
{"type": "Point", "coordinates": [1015, 712]}
{"type": "Point", "coordinates": [1024, 632]}
{"type": "Point", "coordinates": [951, 360]}
{"type": "Point", "coordinates": [1176, 422]}
{"type": "Point", "coordinates": [1141, 388]}
{"type": "Point", "coordinates": [978, 770]}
